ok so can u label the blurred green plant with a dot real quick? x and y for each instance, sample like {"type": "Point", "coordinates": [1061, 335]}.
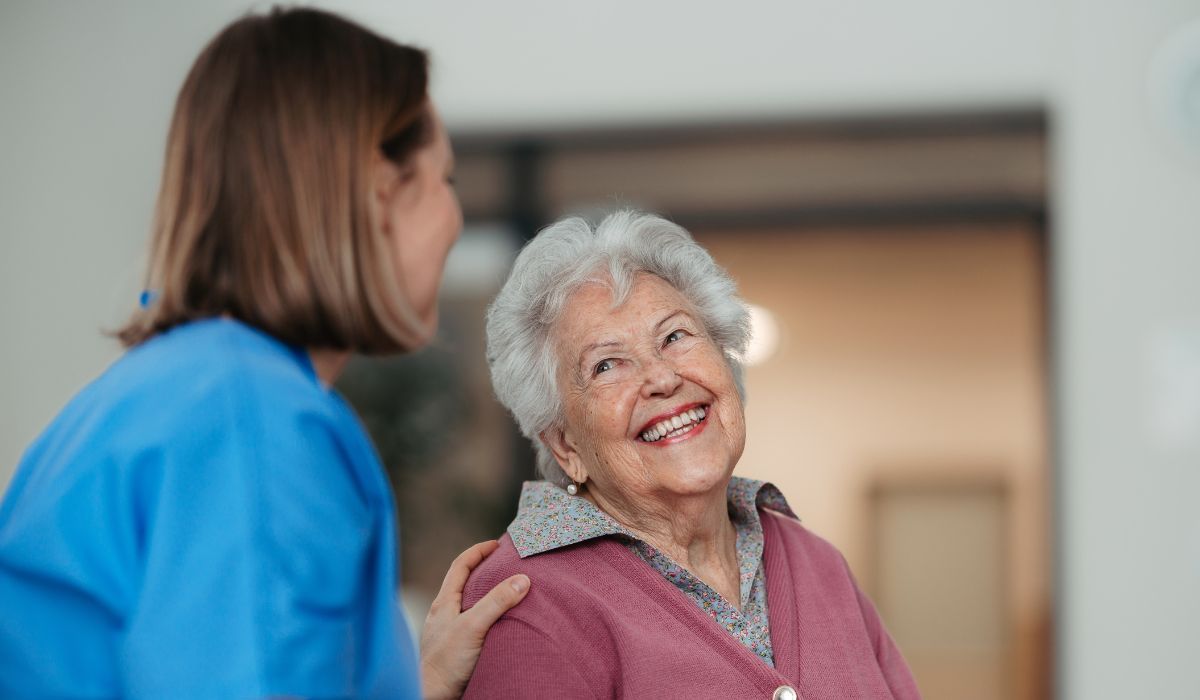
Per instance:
{"type": "Point", "coordinates": [415, 407]}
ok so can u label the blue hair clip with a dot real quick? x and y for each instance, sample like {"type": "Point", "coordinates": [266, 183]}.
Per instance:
{"type": "Point", "coordinates": [147, 297]}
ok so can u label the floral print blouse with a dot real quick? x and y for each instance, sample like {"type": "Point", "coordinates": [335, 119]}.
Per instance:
{"type": "Point", "coordinates": [549, 518]}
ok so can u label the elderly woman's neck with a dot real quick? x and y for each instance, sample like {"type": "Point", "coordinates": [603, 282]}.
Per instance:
{"type": "Point", "coordinates": [694, 531]}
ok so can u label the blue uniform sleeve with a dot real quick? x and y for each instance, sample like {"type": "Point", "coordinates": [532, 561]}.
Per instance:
{"type": "Point", "coordinates": [266, 557]}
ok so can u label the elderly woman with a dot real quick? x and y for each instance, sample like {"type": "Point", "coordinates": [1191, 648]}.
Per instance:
{"type": "Point", "coordinates": [658, 573]}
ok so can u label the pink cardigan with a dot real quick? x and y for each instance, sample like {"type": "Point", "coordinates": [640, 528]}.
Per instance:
{"type": "Point", "coordinates": [599, 623]}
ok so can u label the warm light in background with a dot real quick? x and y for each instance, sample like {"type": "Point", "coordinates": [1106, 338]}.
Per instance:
{"type": "Point", "coordinates": [764, 336]}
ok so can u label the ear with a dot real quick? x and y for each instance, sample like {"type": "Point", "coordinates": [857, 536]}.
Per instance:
{"type": "Point", "coordinates": [386, 179]}
{"type": "Point", "coordinates": [562, 446]}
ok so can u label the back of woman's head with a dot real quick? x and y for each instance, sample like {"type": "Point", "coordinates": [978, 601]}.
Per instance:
{"type": "Point", "coordinates": [264, 212]}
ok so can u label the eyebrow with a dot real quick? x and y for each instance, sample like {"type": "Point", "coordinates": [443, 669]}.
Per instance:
{"type": "Point", "coordinates": [592, 347]}
{"type": "Point", "coordinates": [665, 319]}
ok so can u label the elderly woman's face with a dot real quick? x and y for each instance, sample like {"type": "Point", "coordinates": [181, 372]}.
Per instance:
{"type": "Point", "coordinates": [650, 402]}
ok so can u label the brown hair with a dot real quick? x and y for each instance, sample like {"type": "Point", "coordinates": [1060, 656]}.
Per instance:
{"type": "Point", "coordinates": [264, 212]}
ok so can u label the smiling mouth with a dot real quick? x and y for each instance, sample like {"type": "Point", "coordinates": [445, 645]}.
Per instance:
{"type": "Point", "coordinates": [679, 424]}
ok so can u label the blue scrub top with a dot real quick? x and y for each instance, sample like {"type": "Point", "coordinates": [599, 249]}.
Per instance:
{"type": "Point", "coordinates": [205, 520]}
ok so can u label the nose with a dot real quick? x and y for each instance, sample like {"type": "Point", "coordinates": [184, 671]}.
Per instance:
{"type": "Point", "coordinates": [661, 379]}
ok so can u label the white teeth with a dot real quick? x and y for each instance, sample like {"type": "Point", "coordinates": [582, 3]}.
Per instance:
{"type": "Point", "coordinates": [675, 425]}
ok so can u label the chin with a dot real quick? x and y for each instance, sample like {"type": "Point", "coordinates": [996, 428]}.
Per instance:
{"type": "Point", "coordinates": [701, 480]}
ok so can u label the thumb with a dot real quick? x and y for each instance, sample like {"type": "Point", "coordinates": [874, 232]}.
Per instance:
{"type": "Point", "coordinates": [498, 601]}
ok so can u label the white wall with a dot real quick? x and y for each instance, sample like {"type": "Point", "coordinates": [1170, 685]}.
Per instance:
{"type": "Point", "coordinates": [547, 63]}
{"type": "Point", "coordinates": [1128, 298]}
{"type": "Point", "coordinates": [86, 90]}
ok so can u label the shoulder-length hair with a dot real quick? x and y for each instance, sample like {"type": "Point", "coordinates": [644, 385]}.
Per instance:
{"type": "Point", "coordinates": [264, 212]}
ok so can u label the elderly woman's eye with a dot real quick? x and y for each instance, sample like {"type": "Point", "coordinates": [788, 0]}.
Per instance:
{"type": "Point", "coordinates": [679, 334]}
{"type": "Point", "coordinates": [603, 366]}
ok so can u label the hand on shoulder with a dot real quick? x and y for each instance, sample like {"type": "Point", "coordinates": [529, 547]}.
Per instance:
{"type": "Point", "coordinates": [452, 639]}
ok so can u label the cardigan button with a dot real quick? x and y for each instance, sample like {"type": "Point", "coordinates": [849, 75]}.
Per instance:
{"type": "Point", "coordinates": [785, 692]}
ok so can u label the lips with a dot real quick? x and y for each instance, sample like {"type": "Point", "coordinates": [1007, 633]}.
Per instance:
{"type": "Point", "coordinates": [679, 422]}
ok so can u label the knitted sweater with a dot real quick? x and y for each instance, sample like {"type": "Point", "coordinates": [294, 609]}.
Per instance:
{"type": "Point", "coordinates": [599, 623]}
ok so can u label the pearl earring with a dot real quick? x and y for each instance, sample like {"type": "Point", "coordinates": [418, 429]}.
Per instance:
{"type": "Point", "coordinates": [572, 488]}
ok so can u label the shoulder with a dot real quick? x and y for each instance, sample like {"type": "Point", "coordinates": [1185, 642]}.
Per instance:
{"type": "Point", "coordinates": [563, 582]}
{"type": "Point", "coordinates": [208, 374]}
{"type": "Point", "coordinates": [234, 401]}
{"type": "Point", "coordinates": [788, 533]}
{"type": "Point", "coordinates": [217, 354]}
{"type": "Point", "coordinates": [537, 649]}
{"type": "Point", "coordinates": [788, 530]}
{"type": "Point", "coordinates": [202, 399]}
{"type": "Point", "coordinates": [499, 565]}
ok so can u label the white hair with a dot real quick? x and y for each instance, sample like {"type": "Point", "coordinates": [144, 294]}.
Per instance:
{"type": "Point", "coordinates": [563, 257]}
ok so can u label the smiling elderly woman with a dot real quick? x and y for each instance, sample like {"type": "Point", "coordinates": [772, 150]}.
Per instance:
{"type": "Point", "coordinates": [655, 572]}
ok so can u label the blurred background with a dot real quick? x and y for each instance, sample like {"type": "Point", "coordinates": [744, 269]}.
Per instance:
{"type": "Point", "coordinates": [969, 230]}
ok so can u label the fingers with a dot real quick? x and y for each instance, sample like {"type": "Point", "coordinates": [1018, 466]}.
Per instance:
{"type": "Point", "coordinates": [499, 600]}
{"type": "Point", "coordinates": [460, 570]}
{"type": "Point", "coordinates": [451, 640]}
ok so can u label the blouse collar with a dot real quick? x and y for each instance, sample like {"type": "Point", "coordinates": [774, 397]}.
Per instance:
{"type": "Point", "coordinates": [549, 518]}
